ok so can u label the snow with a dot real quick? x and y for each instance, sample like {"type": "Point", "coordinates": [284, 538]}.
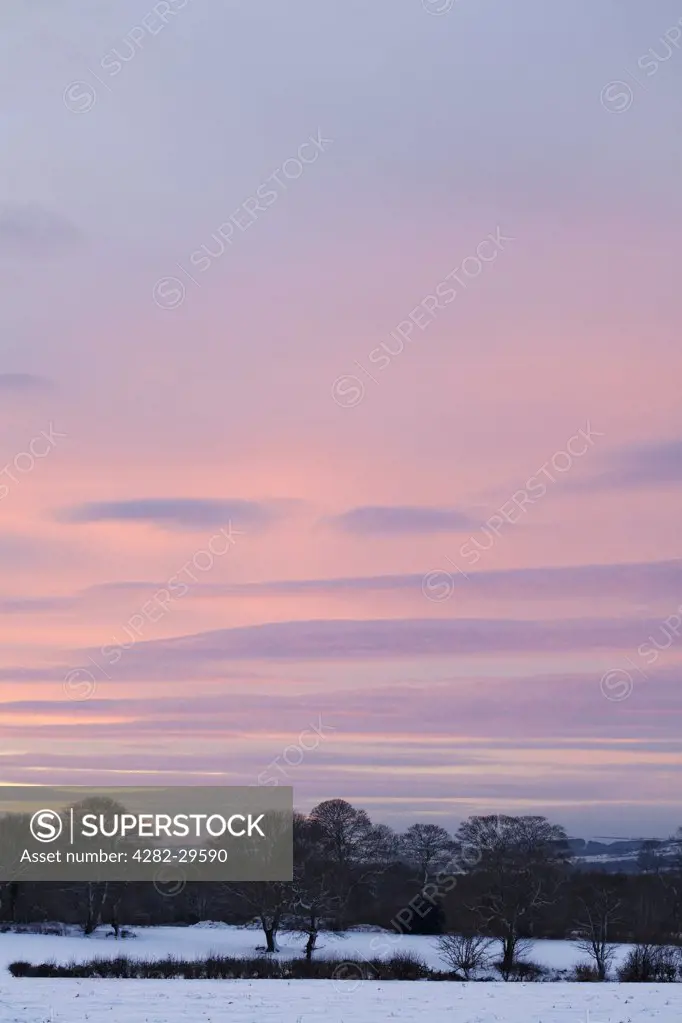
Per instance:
{"type": "Point", "coordinates": [203, 939]}
{"type": "Point", "coordinates": [303, 1001]}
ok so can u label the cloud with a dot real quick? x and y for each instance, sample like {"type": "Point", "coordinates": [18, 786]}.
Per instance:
{"type": "Point", "coordinates": [397, 519]}
{"type": "Point", "coordinates": [175, 513]}
{"type": "Point", "coordinates": [634, 583]}
{"type": "Point", "coordinates": [24, 551]}
{"type": "Point", "coordinates": [31, 229]}
{"type": "Point", "coordinates": [434, 717]}
{"type": "Point", "coordinates": [22, 382]}
{"type": "Point", "coordinates": [335, 640]}
{"type": "Point", "coordinates": [640, 580]}
{"type": "Point", "coordinates": [34, 605]}
{"type": "Point", "coordinates": [557, 719]}
{"type": "Point", "coordinates": [642, 465]}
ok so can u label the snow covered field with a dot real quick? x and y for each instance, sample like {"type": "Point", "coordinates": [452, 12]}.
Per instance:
{"type": "Point", "coordinates": [301, 1001]}
{"type": "Point", "coordinates": [267, 1001]}
{"type": "Point", "coordinates": [202, 939]}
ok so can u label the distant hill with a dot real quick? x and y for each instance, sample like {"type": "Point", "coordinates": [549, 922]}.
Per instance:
{"type": "Point", "coordinates": [630, 856]}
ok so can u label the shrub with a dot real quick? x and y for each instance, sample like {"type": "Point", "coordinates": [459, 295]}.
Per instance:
{"type": "Point", "coordinates": [401, 967]}
{"type": "Point", "coordinates": [585, 972]}
{"type": "Point", "coordinates": [34, 928]}
{"type": "Point", "coordinates": [647, 963]}
{"type": "Point", "coordinates": [19, 969]}
{"type": "Point", "coordinates": [522, 969]}
{"type": "Point", "coordinates": [404, 966]}
{"type": "Point", "coordinates": [464, 953]}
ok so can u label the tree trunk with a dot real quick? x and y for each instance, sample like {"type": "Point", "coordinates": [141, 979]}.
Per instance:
{"type": "Point", "coordinates": [13, 898]}
{"type": "Point", "coordinates": [508, 950]}
{"type": "Point", "coordinates": [312, 940]}
{"type": "Point", "coordinates": [600, 961]}
{"type": "Point", "coordinates": [270, 925]}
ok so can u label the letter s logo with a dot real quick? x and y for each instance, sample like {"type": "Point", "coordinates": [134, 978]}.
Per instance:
{"type": "Point", "coordinates": [46, 825]}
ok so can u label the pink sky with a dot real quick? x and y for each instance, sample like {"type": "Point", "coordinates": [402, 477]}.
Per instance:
{"type": "Point", "coordinates": [442, 683]}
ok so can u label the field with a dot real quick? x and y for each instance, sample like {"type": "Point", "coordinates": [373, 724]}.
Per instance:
{"type": "Point", "coordinates": [152, 1001]}
{"type": "Point", "coordinates": [349, 1001]}
{"type": "Point", "coordinates": [202, 939]}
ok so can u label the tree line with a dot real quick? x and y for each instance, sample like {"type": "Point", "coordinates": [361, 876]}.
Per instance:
{"type": "Point", "coordinates": [502, 877]}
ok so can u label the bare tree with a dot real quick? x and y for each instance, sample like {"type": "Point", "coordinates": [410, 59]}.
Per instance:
{"type": "Point", "coordinates": [465, 953]}
{"type": "Point", "coordinates": [599, 912]}
{"type": "Point", "coordinates": [356, 851]}
{"type": "Point", "coordinates": [268, 901]}
{"type": "Point", "coordinates": [313, 895]}
{"type": "Point", "coordinates": [427, 847]}
{"type": "Point", "coordinates": [344, 830]}
{"type": "Point", "coordinates": [518, 872]}
{"type": "Point", "coordinates": [98, 902]}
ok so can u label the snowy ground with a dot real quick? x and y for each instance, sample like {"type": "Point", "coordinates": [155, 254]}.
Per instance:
{"type": "Point", "coordinates": [201, 940]}
{"type": "Point", "coordinates": [274, 1001]}
{"type": "Point", "coordinates": [278, 1001]}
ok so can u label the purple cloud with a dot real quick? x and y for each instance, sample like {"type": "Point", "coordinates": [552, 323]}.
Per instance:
{"type": "Point", "coordinates": [643, 580]}
{"type": "Point", "coordinates": [30, 229]}
{"type": "Point", "coordinates": [175, 513]}
{"type": "Point", "coordinates": [644, 465]}
{"type": "Point", "coordinates": [34, 605]}
{"type": "Point", "coordinates": [391, 520]}
{"type": "Point", "coordinates": [23, 382]}
{"type": "Point", "coordinates": [336, 640]}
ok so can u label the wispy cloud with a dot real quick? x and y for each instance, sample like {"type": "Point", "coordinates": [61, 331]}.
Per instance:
{"type": "Point", "coordinates": [458, 710]}
{"type": "Point", "coordinates": [391, 520]}
{"type": "Point", "coordinates": [22, 382]}
{"type": "Point", "coordinates": [636, 581]}
{"type": "Point", "coordinates": [32, 229]}
{"type": "Point", "coordinates": [330, 640]}
{"type": "Point", "coordinates": [639, 466]}
{"type": "Point", "coordinates": [182, 513]}
{"type": "Point", "coordinates": [644, 580]}
{"type": "Point", "coordinates": [34, 605]}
